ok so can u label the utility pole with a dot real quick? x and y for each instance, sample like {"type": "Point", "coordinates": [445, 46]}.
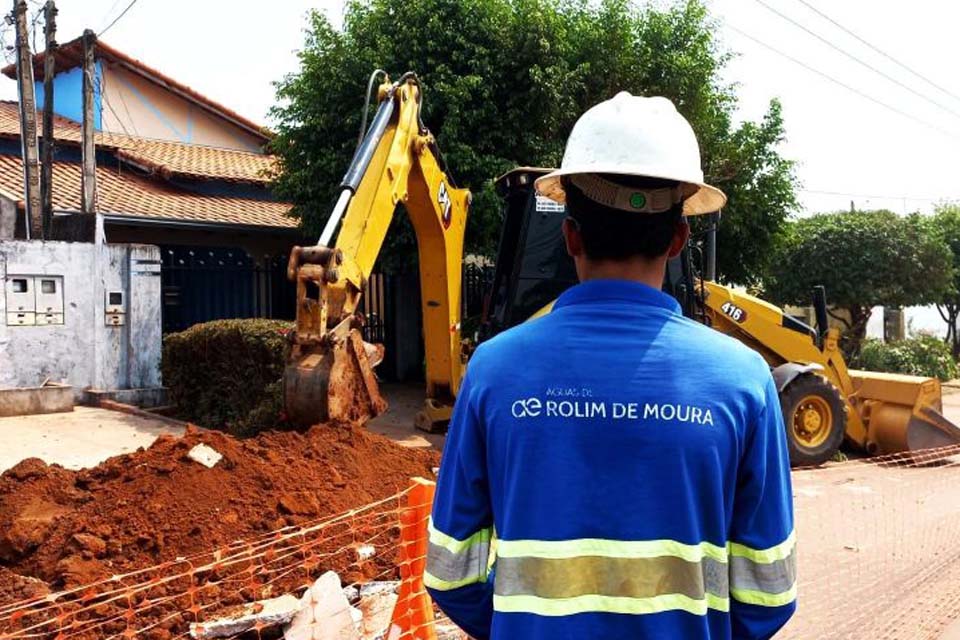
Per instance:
{"type": "Point", "coordinates": [28, 122]}
{"type": "Point", "coordinates": [88, 180]}
{"type": "Point", "coordinates": [46, 152]}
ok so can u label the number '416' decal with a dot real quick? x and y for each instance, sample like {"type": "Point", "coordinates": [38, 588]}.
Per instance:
{"type": "Point", "coordinates": [736, 313]}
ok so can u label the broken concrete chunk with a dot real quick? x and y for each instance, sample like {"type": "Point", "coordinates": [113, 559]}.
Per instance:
{"type": "Point", "coordinates": [446, 630]}
{"type": "Point", "coordinates": [379, 586]}
{"type": "Point", "coordinates": [377, 609]}
{"type": "Point", "coordinates": [366, 551]}
{"type": "Point", "coordinates": [267, 613]}
{"type": "Point", "coordinates": [207, 456]}
{"type": "Point", "coordinates": [325, 613]}
{"type": "Point", "coordinates": [351, 593]}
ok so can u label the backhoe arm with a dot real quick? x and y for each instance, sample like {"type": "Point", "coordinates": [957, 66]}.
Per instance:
{"type": "Point", "coordinates": [330, 373]}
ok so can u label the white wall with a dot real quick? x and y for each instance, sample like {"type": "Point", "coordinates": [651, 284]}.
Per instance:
{"type": "Point", "coordinates": [84, 351]}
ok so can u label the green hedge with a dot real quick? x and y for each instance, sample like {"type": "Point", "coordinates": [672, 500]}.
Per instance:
{"type": "Point", "coordinates": [924, 355]}
{"type": "Point", "coordinates": [226, 374]}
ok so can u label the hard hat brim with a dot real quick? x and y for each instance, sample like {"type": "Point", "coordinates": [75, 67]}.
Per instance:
{"type": "Point", "coordinates": [706, 198]}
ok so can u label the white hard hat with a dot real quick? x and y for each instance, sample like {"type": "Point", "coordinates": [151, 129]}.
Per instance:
{"type": "Point", "coordinates": [635, 136]}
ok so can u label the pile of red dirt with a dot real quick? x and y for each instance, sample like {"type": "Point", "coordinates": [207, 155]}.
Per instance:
{"type": "Point", "coordinates": [69, 528]}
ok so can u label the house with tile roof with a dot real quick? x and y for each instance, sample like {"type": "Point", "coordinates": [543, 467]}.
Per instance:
{"type": "Point", "coordinates": [175, 169]}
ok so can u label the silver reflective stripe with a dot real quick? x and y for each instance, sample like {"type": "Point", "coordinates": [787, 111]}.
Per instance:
{"type": "Point", "coordinates": [448, 566]}
{"type": "Point", "coordinates": [774, 577]}
{"type": "Point", "coordinates": [639, 578]}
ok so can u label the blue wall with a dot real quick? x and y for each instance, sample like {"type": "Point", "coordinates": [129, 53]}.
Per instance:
{"type": "Point", "coordinates": [68, 95]}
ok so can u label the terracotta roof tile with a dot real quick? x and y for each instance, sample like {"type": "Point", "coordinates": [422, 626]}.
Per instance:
{"type": "Point", "coordinates": [162, 156]}
{"type": "Point", "coordinates": [125, 193]}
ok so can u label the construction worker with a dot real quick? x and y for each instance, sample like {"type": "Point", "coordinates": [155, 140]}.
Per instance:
{"type": "Point", "coordinates": [628, 466]}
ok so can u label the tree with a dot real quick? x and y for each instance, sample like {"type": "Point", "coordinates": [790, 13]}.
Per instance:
{"type": "Point", "coordinates": [864, 259]}
{"type": "Point", "coordinates": [505, 80]}
{"type": "Point", "coordinates": [946, 224]}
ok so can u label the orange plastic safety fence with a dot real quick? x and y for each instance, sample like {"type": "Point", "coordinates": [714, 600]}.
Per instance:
{"type": "Point", "coordinates": [877, 547]}
{"type": "Point", "coordinates": [161, 602]}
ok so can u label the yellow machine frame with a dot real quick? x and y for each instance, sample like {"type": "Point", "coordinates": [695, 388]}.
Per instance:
{"type": "Point", "coordinates": [330, 375]}
{"type": "Point", "coordinates": [885, 412]}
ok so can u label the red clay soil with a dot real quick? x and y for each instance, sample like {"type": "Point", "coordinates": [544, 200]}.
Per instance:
{"type": "Point", "coordinates": [69, 528]}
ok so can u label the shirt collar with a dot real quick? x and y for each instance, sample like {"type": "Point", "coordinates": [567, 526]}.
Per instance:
{"type": "Point", "coordinates": [619, 290]}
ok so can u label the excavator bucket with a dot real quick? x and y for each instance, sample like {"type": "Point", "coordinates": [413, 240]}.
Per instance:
{"type": "Point", "coordinates": [334, 382]}
{"type": "Point", "coordinates": [902, 413]}
{"type": "Point", "coordinates": [329, 374]}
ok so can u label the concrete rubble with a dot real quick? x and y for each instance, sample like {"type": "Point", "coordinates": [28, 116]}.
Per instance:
{"type": "Point", "coordinates": [205, 455]}
{"type": "Point", "coordinates": [264, 613]}
{"type": "Point", "coordinates": [325, 611]}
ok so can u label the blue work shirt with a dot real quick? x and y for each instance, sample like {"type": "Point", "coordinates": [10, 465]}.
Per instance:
{"type": "Point", "coordinates": [629, 469]}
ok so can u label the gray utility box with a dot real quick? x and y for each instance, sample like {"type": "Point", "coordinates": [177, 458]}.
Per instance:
{"type": "Point", "coordinates": [33, 300]}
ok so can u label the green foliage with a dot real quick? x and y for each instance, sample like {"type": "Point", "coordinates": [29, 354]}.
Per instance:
{"type": "Point", "coordinates": [504, 82]}
{"type": "Point", "coordinates": [946, 225]}
{"type": "Point", "coordinates": [924, 355]}
{"type": "Point", "coordinates": [226, 374]}
{"type": "Point", "coordinates": [864, 259]}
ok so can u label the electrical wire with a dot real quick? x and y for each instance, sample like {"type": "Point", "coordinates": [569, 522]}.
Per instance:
{"type": "Point", "coordinates": [826, 76]}
{"type": "Point", "coordinates": [117, 19]}
{"type": "Point", "coordinates": [856, 59]}
{"type": "Point", "coordinates": [878, 196]}
{"type": "Point", "coordinates": [878, 50]}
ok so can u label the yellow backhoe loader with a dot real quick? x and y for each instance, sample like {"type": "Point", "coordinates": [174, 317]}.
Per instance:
{"type": "Point", "coordinates": [330, 373]}
{"type": "Point", "coordinates": [330, 377]}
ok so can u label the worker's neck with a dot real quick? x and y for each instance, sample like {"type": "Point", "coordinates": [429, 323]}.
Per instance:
{"type": "Point", "coordinates": [648, 272]}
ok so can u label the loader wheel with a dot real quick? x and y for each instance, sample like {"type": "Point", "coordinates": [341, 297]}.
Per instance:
{"type": "Point", "coordinates": [815, 417]}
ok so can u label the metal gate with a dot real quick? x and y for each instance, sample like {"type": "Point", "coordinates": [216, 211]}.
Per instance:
{"type": "Point", "coordinates": [211, 283]}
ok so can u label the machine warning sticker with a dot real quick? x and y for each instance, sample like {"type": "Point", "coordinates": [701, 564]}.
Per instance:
{"type": "Point", "coordinates": [446, 206]}
{"type": "Point", "coordinates": [736, 313]}
{"type": "Point", "coordinates": [549, 206]}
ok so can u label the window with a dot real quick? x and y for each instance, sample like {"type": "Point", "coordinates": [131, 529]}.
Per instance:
{"type": "Point", "coordinates": [48, 286]}
{"type": "Point", "coordinates": [19, 285]}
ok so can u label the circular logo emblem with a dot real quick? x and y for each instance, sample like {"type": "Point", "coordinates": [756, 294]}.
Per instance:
{"type": "Point", "coordinates": [638, 200]}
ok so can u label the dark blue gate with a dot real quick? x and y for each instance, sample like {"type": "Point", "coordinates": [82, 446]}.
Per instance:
{"type": "Point", "coordinates": [211, 283]}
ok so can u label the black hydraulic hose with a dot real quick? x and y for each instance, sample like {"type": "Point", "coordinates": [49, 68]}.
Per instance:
{"type": "Point", "coordinates": [366, 103]}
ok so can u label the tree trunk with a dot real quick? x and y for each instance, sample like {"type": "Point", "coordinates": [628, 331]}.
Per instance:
{"type": "Point", "coordinates": [856, 331]}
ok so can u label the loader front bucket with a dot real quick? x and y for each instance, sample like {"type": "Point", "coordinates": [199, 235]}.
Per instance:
{"type": "Point", "coordinates": [902, 413]}
{"type": "Point", "coordinates": [333, 381]}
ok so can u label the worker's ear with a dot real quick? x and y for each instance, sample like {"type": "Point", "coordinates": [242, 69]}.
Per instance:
{"type": "Point", "coordinates": [572, 237]}
{"type": "Point", "coordinates": [680, 236]}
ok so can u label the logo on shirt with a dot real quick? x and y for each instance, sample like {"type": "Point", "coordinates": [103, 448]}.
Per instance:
{"type": "Point", "coordinates": [534, 407]}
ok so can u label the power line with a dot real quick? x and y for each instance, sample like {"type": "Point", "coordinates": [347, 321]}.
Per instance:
{"type": "Point", "coordinates": [878, 196]}
{"type": "Point", "coordinates": [115, 20]}
{"type": "Point", "coordinates": [878, 50]}
{"type": "Point", "coordinates": [856, 59]}
{"type": "Point", "coordinates": [840, 83]}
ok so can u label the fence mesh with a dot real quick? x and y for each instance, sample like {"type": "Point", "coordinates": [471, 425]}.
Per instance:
{"type": "Point", "coordinates": [877, 552]}
{"type": "Point", "coordinates": [878, 547]}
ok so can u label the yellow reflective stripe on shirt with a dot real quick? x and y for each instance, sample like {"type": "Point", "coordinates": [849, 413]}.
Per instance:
{"type": "Point", "coordinates": [454, 545]}
{"type": "Point", "coordinates": [607, 604]}
{"type": "Point", "coordinates": [778, 552]}
{"type": "Point", "coordinates": [434, 582]}
{"type": "Point", "coordinates": [610, 548]}
{"type": "Point", "coordinates": [764, 599]}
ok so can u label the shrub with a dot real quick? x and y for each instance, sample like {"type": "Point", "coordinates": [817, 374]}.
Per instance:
{"type": "Point", "coordinates": [226, 374]}
{"type": "Point", "coordinates": [924, 355]}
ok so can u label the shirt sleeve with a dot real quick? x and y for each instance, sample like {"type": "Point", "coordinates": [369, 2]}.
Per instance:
{"type": "Point", "coordinates": [762, 559]}
{"type": "Point", "coordinates": [461, 526]}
